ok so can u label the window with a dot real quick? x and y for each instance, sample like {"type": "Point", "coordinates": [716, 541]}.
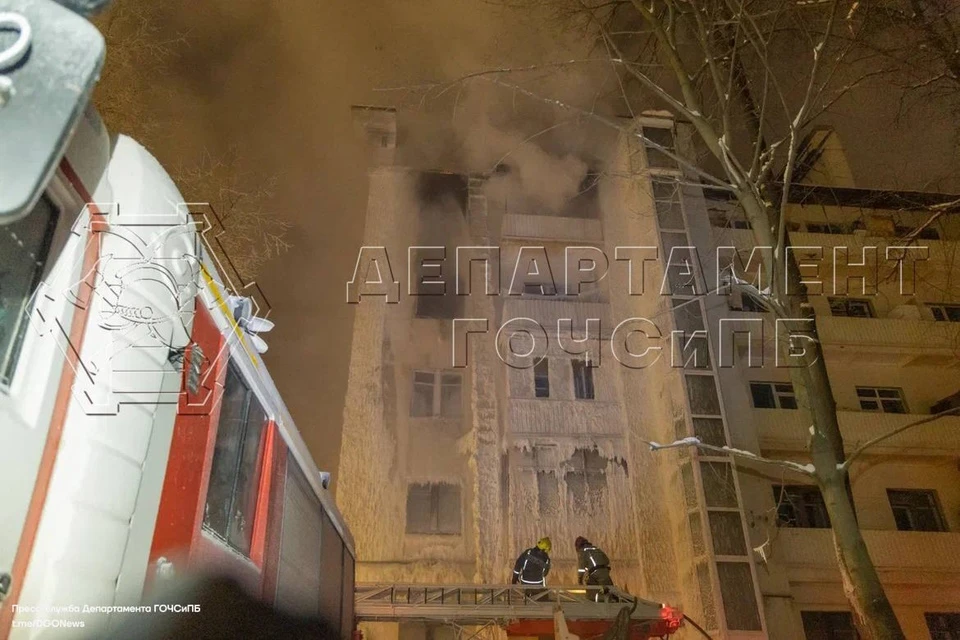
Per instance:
{"type": "Point", "coordinates": [436, 394]}
{"type": "Point", "coordinates": [582, 380]}
{"type": "Point", "coordinates": [885, 399]}
{"type": "Point", "coordinates": [945, 312]}
{"type": "Point", "coordinates": [943, 626]}
{"type": "Point", "coordinates": [773, 395]}
{"type": "Point", "coordinates": [442, 307]}
{"type": "Point", "coordinates": [539, 289]}
{"type": "Point", "coordinates": [826, 227]}
{"type": "Point", "coordinates": [927, 233]}
{"type": "Point", "coordinates": [751, 304]}
{"type": "Point", "coordinates": [828, 625]}
{"type": "Point", "coordinates": [586, 478]}
{"type": "Point", "coordinates": [663, 138]}
{"type": "Point", "coordinates": [800, 506]}
{"type": "Point", "coordinates": [235, 473]}
{"type": "Point", "coordinates": [851, 307]}
{"type": "Point", "coordinates": [544, 461]}
{"type": "Point", "coordinates": [916, 510]}
{"type": "Point", "coordinates": [541, 379]}
{"type": "Point", "coordinates": [433, 508]}
{"type": "Point", "coordinates": [434, 300]}
{"type": "Point", "coordinates": [25, 247]}
{"type": "Point", "coordinates": [666, 200]}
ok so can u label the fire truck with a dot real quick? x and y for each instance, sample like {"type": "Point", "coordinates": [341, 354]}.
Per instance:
{"type": "Point", "coordinates": [141, 435]}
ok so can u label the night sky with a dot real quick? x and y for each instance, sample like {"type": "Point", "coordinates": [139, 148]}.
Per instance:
{"type": "Point", "coordinates": [275, 80]}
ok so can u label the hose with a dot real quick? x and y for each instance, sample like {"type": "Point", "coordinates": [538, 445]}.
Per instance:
{"type": "Point", "coordinates": [697, 627]}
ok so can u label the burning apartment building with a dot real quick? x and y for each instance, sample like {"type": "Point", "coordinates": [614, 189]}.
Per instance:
{"type": "Point", "coordinates": [454, 459]}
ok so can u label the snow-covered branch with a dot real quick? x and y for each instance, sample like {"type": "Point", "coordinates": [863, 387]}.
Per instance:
{"type": "Point", "coordinates": [805, 469]}
{"type": "Point", "coordinates": [894, 432]}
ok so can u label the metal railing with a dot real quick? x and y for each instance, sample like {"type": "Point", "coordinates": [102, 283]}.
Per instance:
{"type": "Point", "coordinates": [480, 604]}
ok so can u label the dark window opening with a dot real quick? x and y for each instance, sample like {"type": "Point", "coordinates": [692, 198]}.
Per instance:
{"type": "Point", "coordinates": [828, 625]}
{"type": "Point", "coordinates": [916, 510]}
{"type": "Point", "coordinates": [663, 138]}
{"type": "Point", "coordinates": [586, 479]}
{"type": "Point", "coordinates": [851, 307]}
{"type": "Point", "coordinates": [433, 509]}
{"type": "Point", "coordinates": [829, 228]}
{"type": "Point", "coordinates": [436, 189]}
{"type": "Point", "coordinates": [773, 395]}
{"type": "Point", "coordinates": [231, 504]}
{"type": "Point", "coordinates": [945, 312]}
{"type": "Point", "coordinates": [943, 626]}
{"type": "Point", "coordinates": [541, 379]}
{"type": "Point", "coordinates": [800, 506]}
{"type": "Point", "coordinates": [927, 233]}
{"type": "Point", "coordinates": [582, 380]}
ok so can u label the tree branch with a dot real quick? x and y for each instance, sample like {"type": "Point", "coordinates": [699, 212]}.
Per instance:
{"type": "Point", "coordinates": [874, 441]}
{"type": "Point", "coordinates": [795, 467]}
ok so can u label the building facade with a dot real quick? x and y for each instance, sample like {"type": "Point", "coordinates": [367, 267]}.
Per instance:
{"type": "Point", "coordinates": [459, 451]}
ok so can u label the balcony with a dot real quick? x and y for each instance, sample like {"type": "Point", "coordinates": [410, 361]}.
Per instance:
{"type": "Point", "coordinates": [900, 556]}
{"type": "Point", "coordinates": [878, 341]}
{"type": "Point", "coordinates": [551, 228]}
{"type": "Point", "coordinates": [542, 416]}
{"type": "Point", "coordinates": [547, 310]}
{"type": "Point", "coordinates": [900, 342]}
{"type": "Point", "coordinates": [742, 239]}
{"type": "Point", "coordinates": [786, 430]}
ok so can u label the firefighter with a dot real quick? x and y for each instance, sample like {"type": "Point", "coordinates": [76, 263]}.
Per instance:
{"type": "Point", "coordinates": [533, 565]}
{"type": "Point", "coordinates": [593, 567]}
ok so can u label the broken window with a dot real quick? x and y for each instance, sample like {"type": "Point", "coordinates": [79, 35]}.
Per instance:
{"type": "Point", "coordinates": [800, 506]}
{"type": "Point", "coordinates": [433, 508]}
{"type": "Point", "coordinates": [541, 379]}
{"type": "Point", "coordinates": [582, 380]}
{"type": "Point", "coordinates": [586, 478]}
{"type": "Point", "coordinates": [438, 189]}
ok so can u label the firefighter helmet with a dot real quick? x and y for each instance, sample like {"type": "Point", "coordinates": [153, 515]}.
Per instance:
{"type": "Point", "coordinates": [581, 543]}
{"type": "Point", "coordinates": [544, 544]}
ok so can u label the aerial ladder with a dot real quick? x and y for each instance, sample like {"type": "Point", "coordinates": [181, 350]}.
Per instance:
{"type": "Point", "coordinates": [521, 611]}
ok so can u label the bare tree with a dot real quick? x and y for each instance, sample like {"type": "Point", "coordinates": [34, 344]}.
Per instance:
{"type": "Point", "coordinates": [135, 78]}
{"type": "Point", "coordinates": [244, 232]}
{"type": "Point", "coordinates": [918, 39]}
{"type": "Point", "coordinates": [750, 78]}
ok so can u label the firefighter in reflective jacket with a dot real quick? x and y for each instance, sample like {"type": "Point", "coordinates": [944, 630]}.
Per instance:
{"type": "Point", "coordinates": [593, 566]}
{"type": "Point", "coordinates": [533, 565]}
